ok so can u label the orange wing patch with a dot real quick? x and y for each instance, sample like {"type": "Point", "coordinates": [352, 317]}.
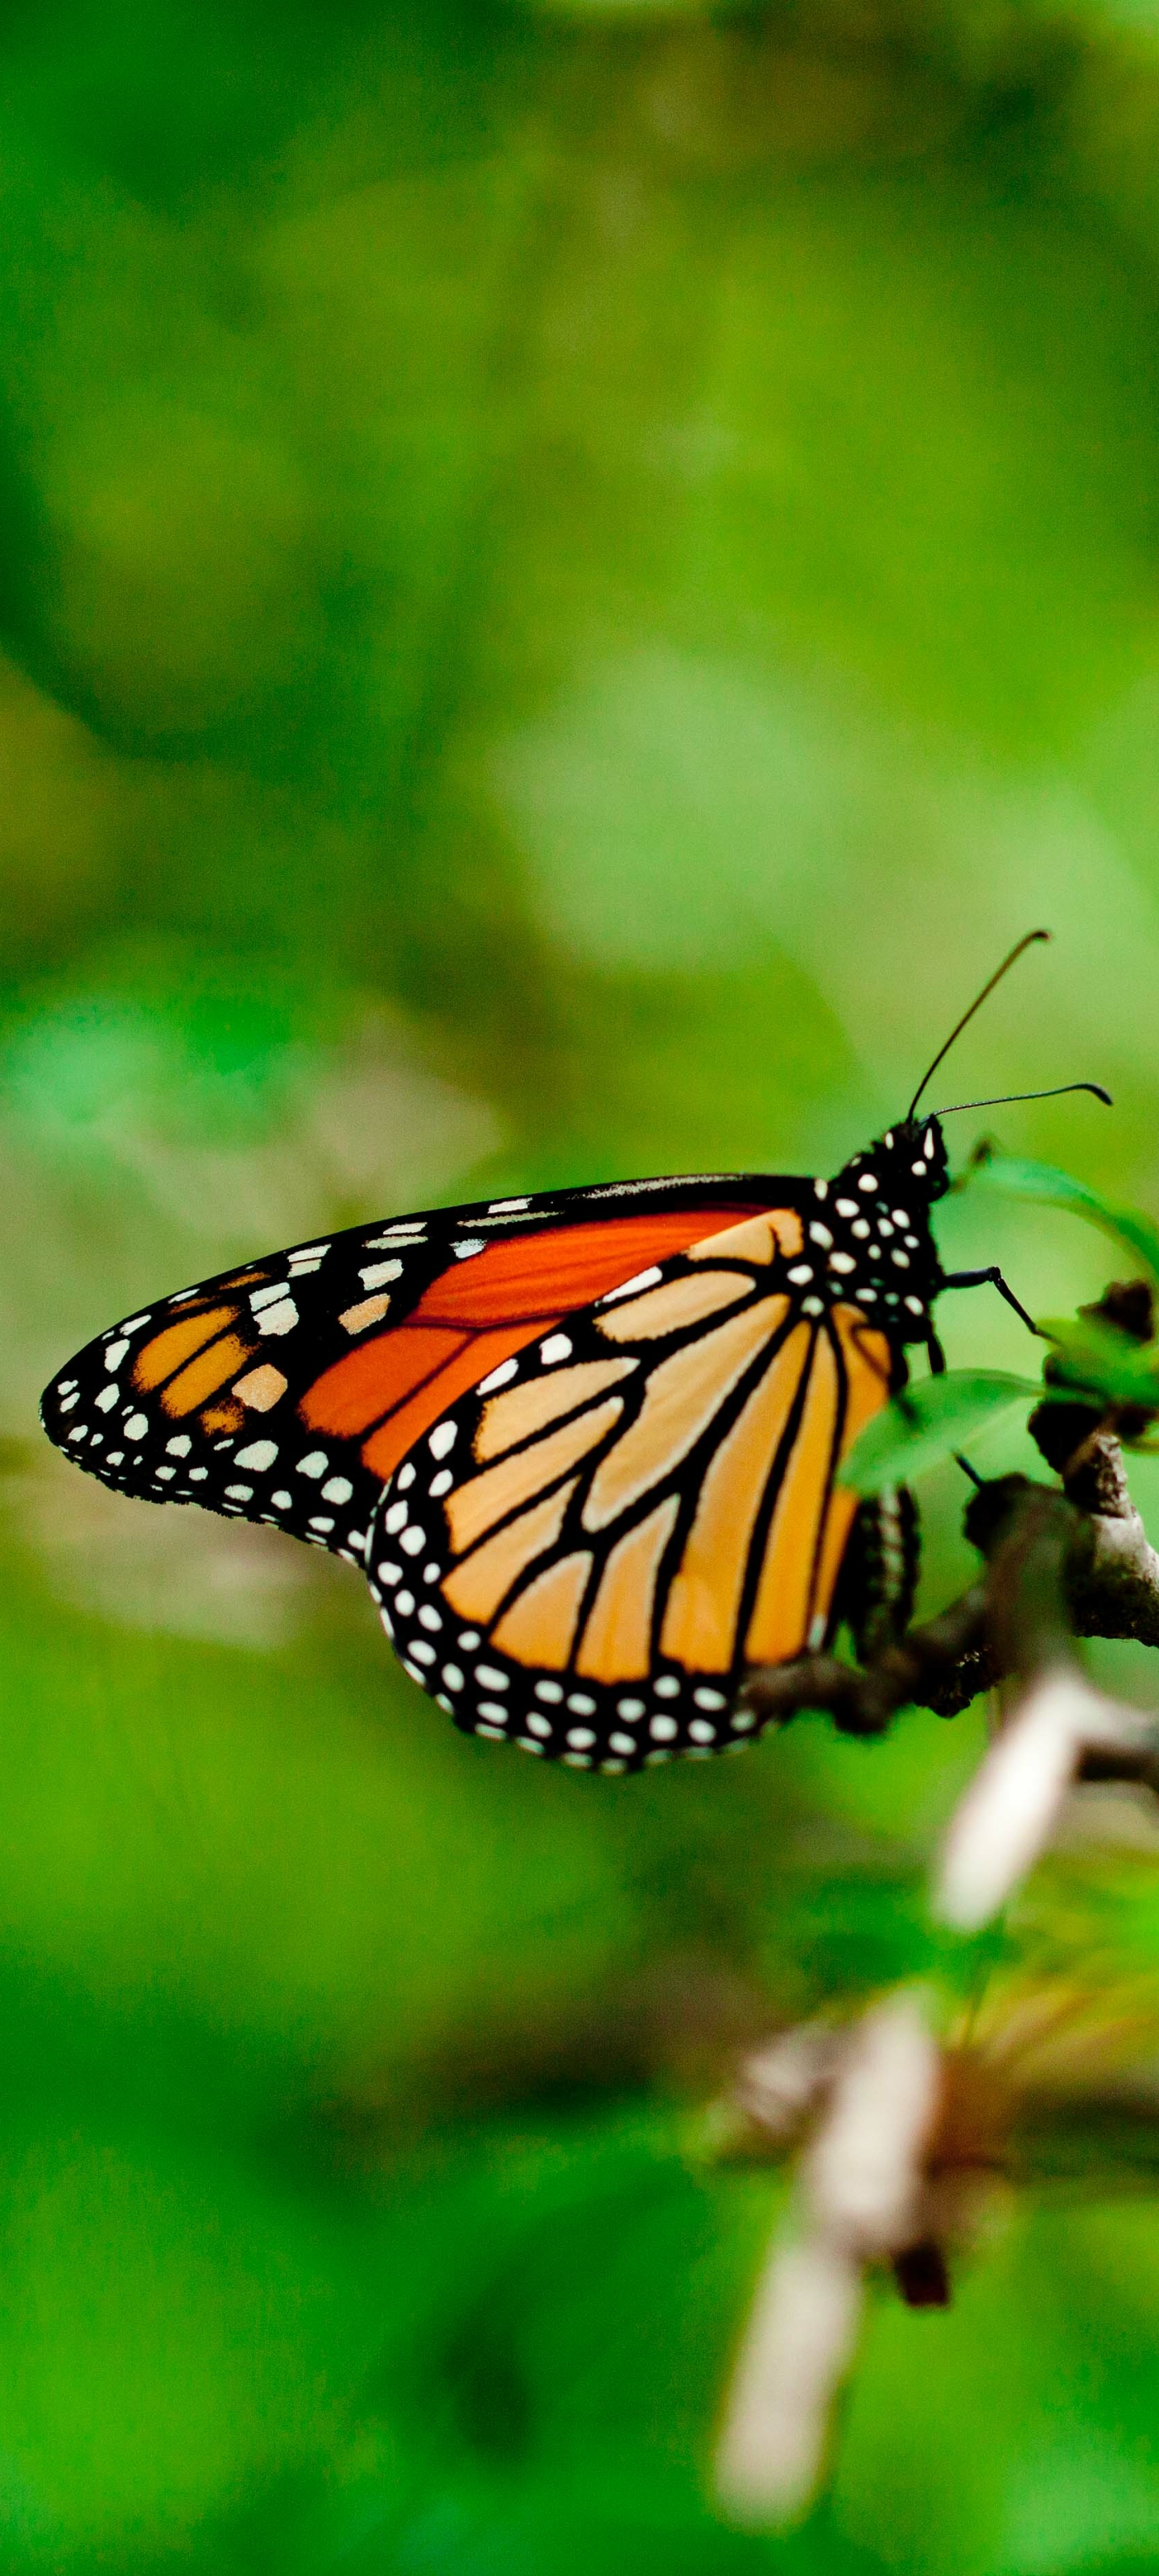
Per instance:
{"type": "Point", "coordinates": [704, 1601]}
{"type": "Point", "coordinates": [470, 1360]}
{"type": "Point", "coordinates": [159, 1357]}
{"type": "Point", "coordinates": [539, 1628]}
{"type": "Point", "coordinates": [499, 1490]}
{"type": "Point", "coordinates": [674, 1307]}
{"type": "Point", "coordinates": [205, 1375]}
{"type": "Point", "coordinates": [617, 1639]}
{"type": "Point", "coordinates": [227, 1416]}
{"type": "Point", "coordinates": [867, 1367]}
{"type": "Point", "coordinates": [476, 1588]}
{"type": "Point", "coordinates": [476, 1314]}
{"type": "Point", "coordinates": [683, 1394]}
{"type": "Point", "coordinates": [526, 1410]}
{"type": "Point", "coordinates": [781, 1613]}
{"type": "Point", "coordinates": [539, 1276]}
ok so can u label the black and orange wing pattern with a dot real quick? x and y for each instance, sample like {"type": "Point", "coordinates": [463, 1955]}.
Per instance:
{"type": "Point", "coordinates": [585, 1551]}
{"type": "Point", "coordinates": [585, 1445]}
{"type": "Point", "coordinates": [288, 1389]}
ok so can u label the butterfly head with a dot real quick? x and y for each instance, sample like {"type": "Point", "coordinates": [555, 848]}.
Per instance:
{"type": "Point", "coordinates": [909, 1163]}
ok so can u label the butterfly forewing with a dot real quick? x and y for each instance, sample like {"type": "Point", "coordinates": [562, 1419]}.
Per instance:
{"type": "Point", "coordinates": [585, 1551]}
{"type": "Point", "coordinates": [289, 1389]}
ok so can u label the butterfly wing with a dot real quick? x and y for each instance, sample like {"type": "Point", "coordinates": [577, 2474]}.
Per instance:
{"type": "Point", "coordinates": [586, 1550]}
{"type": "Point", "coordinates": [289, 1389]}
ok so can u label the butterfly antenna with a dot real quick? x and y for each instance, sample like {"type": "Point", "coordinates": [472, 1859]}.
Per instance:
{"type": "Point", "coordinates": [967, 1016]}
{"type": "Point", "coordinates": [1005, 1097]}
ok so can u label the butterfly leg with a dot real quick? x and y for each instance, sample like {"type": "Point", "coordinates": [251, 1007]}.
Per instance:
{"type": "Point", "coordinates": [991, 1278]}
{"type": "Point", "coordinates": [935, 1355]}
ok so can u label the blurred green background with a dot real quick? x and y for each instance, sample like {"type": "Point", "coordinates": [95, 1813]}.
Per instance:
{"type": "Point", "coordinates": [569, 579]}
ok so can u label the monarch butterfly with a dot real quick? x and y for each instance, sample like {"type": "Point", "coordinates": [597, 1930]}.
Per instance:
{"type": "Point", "coordinates": [584, 1444]}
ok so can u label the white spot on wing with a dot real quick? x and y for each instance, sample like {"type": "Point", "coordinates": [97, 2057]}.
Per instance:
{"type": "Point", "coordinates": [278, 1319]}
{"type": "Point", "coordinates": [643, 1279]}
{"type": "Point", "coordinates": [500, 1376]}
{"type": "Point", "coordinates": [369, 1310]}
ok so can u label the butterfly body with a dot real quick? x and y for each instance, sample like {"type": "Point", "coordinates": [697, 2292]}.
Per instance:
{"type": "Point", "coordinates": [584, 1445]}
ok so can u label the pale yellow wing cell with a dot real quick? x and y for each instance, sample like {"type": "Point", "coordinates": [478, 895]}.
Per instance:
{"type": "Point", "coordinates": [617, 1639]}
{"type": "Point", "coordinates": [484, 1579]}
{"type": "Point", "coordinates": [675, 1307]}
{"type": "Point", "coordinates": [756, 1238]}
{"type": "Point", "coordinates": [781, 1614]}
{"type": "Point", "coordinates": [476, 1506]}
{"type": "Point", "coordinates": [700, 1621]}
{"type": "Point", "coordinates": [523, 1410]}
{"type": "Point", "coordinates": [867, 1368]}
{"type": "Point", "coordinates": [540, 1627]}
{"type": "Point", "coordinates": [684, 1393]}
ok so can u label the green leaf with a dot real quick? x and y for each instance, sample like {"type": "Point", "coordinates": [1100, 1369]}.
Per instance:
{"type": "Point", "coordinates": [1093, 1358]}
{"type": "Point", "coordinates": [930, 1421]}
{"type": "Point", "coordinates": [1051, 1188]}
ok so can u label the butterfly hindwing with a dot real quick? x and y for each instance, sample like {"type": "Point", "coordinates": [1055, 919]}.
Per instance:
{"type": "Point", "coordinates": [288, 1390]}
{"type": "Point", "coordinates": [584, 1552]}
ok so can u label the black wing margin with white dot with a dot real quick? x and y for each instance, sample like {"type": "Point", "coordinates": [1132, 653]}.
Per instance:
{"type": "Point", "coordinates": [200, 1397]}
{"type": "Point", "coordinates": [560, 1716]}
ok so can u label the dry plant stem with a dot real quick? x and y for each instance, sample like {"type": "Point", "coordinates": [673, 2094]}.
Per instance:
{"type": "Point", "coordinates": [1057, 1565]}
{"type": "Point", "coordinates": [1115, 1591]}
{"type": "Point", "coordinates": [860, 2202]}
